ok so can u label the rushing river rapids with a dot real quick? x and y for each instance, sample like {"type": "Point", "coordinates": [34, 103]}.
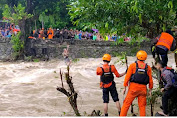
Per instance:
{"type": "Point", "coordinates": [29, 88]}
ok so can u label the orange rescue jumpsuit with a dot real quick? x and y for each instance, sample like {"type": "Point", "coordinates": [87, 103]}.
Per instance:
{"type": "Point", "coordinates": [50, 33]}
{"type": "Point", "coordinates": [106, 69]}
{"type": "Point", "coordinates": [136, 90]}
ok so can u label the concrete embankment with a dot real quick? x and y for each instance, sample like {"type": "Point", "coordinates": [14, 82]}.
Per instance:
{"type": "Point", "coordinates": [78, 49]}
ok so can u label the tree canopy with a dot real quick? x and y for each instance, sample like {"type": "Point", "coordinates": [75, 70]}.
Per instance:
{"type": "Point", "coordinates": [51, 13]}
{"type": "Point", "coordinates": [147, 17]}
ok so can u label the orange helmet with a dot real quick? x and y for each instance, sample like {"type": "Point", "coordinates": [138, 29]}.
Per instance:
{"type": "Point", "coordinates": [106, 57]}
{"type": "Point", "coordinates": [141, 55]}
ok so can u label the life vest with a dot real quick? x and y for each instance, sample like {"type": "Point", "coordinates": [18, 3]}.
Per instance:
{"type": "Point", "coordinates": [50, 34]}
{"type": "Point", "coordinates": [106, 78]}
{"type": "Point", "coordinates": [140, 76]}
{"type": "Point", "coordinates": [165, 40]}
{"type": "Point", "coordinates": [174, 79]}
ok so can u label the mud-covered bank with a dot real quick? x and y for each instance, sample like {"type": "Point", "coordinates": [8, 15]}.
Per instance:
{"type": "Point", "coordinates": [29, 88]}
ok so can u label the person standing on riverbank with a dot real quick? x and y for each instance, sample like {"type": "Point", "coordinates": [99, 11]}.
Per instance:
{"type": "Point", "coordinates": [107, 83]}
{"type": "Point", "coordinates": [138, 76]}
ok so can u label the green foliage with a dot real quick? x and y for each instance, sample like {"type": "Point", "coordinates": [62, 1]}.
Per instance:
{"type": "Point", "coordinates": [43, 17]}
{"type": "Point", "coordinates": [6, 11]}
{"type": "Point", "coordinates": [119, 41]}
{"type": "Point", "coordinates": [28, 58]}
{"type": "Point", "coordinates": [19, 13]}
{"type": "Point", "coordinates": [155, 94]}
{"type": "Point", "coordinates": [121, 58]}
{"type": "Point", "coordinates": [18, 45]}
{"type": "Point", "coordinates": [132, 16]}
{"type": "Point", "coordinates": [121, 16]}
{"type": "Point", "coordinates": [55, 16]}
{"type": "Point", "coordinates": [64, 113]}
{"type": "Point", "coordinates": [115, 54]}
{"type": "Point", "coordinates": [152, 100]}
{"type": "Point", "coordinates": [75, 60]}
{"type": "Point", "coordinates": [53, 13]}
{"type": "Point", "coordinates": [132, 41]}
{"type": "Point", "coordinates": [35, 60]}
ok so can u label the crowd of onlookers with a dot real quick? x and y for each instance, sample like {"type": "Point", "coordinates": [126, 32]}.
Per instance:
{"type": "Point", "coordinates": [62, 34]}
{"type": "Point", "coordinates": [74, 34]}
{"type": "Point", "coordinates": [7, 31]}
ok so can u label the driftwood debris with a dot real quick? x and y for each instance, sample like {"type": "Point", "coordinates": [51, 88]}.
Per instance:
{"type": "Point", "coordinates": [71, 93]}
{"type": "Point", "coordinates": [96, 113]}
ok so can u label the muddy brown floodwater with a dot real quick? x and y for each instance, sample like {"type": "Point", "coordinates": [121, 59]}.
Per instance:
{"type": "Point", "coordinates": [29, 88]}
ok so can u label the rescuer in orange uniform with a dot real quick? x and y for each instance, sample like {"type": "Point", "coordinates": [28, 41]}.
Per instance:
{"type": "Point", "coordinates": [138, 76]}
{"type": "Point", "coordinates": [50, 33]}
{"type": "Point", "coordinates": [165, 43]}
{"type": "Point", "coordinates": [41, 33]}
{"type": "Point", "coordinates": [107, 82]}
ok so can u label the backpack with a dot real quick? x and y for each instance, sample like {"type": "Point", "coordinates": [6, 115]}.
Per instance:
{"type": "Point", "coordinates": [174, 79]}
{"type": "Point", "coordinates": [140, 76]}
{"type": "Point", "coordinates": [108, 77]}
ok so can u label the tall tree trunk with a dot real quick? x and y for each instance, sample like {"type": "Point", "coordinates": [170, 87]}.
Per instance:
{"type": "Point", "coordinates": [28, 22]}
{"type": "Point", "coordinates": [42, 24]}
{"type": "Point", "coordinates": [29, 7]}
{"type": "Point", "coordinates": [22, 26]}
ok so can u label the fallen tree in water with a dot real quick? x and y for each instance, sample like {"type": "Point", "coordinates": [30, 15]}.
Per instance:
{"type": "Point", "coordinates": [71, 93]}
